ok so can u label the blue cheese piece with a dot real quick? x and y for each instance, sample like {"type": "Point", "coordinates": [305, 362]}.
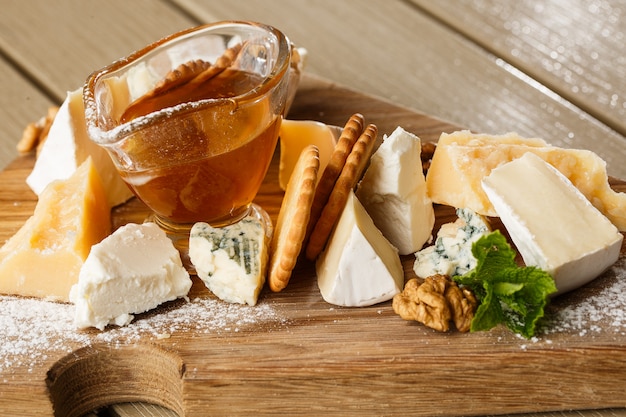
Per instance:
{"type": "Point", "coordinates": [359, 267]}
{"type": "Point", "coordinates": [131, 271]}
{"type": "Point", "coordinates": [231, 260]}
{"type": "Point", "coordinates": [451, 254]}
{"type": "Point", "coordinates": [393, 191]}
{"type": "Point", "coordinates": [553, 225]}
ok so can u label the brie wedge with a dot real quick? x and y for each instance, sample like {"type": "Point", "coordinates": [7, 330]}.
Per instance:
{"type": "Point", "coordinates": [131, 271]}
{"type": "Point", "coordinates": [393, 191]}
{"type": "Point", "coordinates": [68, 146]}
{"type": "Point", "coordinates": [551, 222]}
{"type": "Point", "coordinates": [359, 267]}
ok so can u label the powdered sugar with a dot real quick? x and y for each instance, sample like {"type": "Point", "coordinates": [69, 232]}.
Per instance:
{"type": "Point", "coordinates": [603, 310]}
{"type": "Point", "coordinates": [31, 330]}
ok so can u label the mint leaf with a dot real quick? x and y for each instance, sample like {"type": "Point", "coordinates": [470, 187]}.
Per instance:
{"type": "Point", "coordinates": [509, 294]}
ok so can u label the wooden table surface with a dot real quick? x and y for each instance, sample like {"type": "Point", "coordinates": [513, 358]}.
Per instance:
{"type": "Point", "coordinates": [550, 69]}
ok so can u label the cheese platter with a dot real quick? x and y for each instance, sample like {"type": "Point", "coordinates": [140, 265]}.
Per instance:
{"type": "Point", "coordinates": [293, 353]}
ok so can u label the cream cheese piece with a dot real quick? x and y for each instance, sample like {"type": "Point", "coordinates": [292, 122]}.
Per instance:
{"type": "Point", "coordinates": [359, 267]}
{"type": "Point", "coordinates": [393, 191]}
{"type": "Point", "coordinates": [451, 254]}
{"type": "Point", "coordinates": [551, 222]}
{"type": "Point", "coordinates": [231, 260]}
{"type": "Point", "coordinates": [68, 146]}
{"type": "Point", "coordinates": [133, 270]}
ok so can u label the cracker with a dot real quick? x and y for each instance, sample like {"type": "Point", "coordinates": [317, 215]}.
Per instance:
{"type": "Point", "coordinates": [293, 218]}
{"type": "Point", "coordinates": [350, 174]}
{"type": "Point", "coordinates": [350, 134]}
{"type": "Point", "coordinates": [224, 61]}
{"type": "Point", "coordinates": [180, 75]}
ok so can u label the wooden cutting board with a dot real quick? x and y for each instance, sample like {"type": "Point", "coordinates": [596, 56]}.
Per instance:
{"type": "Point", "coordinates": [293, 353]}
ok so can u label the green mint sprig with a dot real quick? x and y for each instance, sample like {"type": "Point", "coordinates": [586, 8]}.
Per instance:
{"type": "Point", "coordinates": [509, 294]}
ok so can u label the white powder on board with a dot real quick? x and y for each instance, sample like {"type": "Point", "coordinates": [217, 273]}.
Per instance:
{"type": "Point", "coordinates": [32, 329]}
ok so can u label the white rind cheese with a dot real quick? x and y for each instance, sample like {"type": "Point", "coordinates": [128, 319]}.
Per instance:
{"type": "Point", "coordinates": [231, 260]}
{"type": "Point", "coordinates": [133, 270]}
{"type": "Point", "coordinates": [393, 191]}
{"type": "Point", "coordinates": [68, 146]}
{"type": "Point", "coordinates": [359, 267]}
{"type": "Point", "coordinates": [451, 254]}
{"type": "Point", "coordinates": [552, 224]}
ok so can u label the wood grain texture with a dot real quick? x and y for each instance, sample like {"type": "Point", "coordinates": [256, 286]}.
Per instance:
{"type": "Point", "coordinates": [61, 43]}
{"type": "Point", "coordinates": [395, 50]}
{"type": "Point", "coordinates": [390, 49]}
{"type": "Point", "coordinates": [575, 47]}
{"type": "Point", "coordinates": [314, 358]}
{"type": "Point", "coordinates": [20, 104]}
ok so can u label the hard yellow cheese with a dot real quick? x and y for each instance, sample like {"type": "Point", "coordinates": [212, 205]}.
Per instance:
{"type": "Point", "coordinates": [43, 259]}
{"type": "Point", "coordinates": [463, 159]}
{"type": "Point", "coordinates": [295, 135]}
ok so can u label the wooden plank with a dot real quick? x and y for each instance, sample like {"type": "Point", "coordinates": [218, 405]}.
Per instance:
{"type": "Point", "coordinates": [61, 43]}
{"type": "Point", "coordinates": [393, 50]}
{"type": "Point", "coordinates": [20, 104]}
{"type": "Point", "coordinates": [355, 360]}
{"type": "Point", "coordinates": [577, 50]}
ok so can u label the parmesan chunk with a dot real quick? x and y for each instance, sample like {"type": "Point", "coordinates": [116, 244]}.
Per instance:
{"type": "Point", "coordinates": [463, 159]}
{"type": "Point", "coordinates": [43, 259]}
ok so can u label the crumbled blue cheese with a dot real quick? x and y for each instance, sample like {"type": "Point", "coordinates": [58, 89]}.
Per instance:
{"type": "Point", "coordinates": [452, 252]}
{"type": "Point", "coordinates": [231, 260]}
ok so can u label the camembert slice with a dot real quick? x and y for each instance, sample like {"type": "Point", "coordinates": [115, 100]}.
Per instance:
{"type": "Point", "coordinates": [231, 260]}
{"type": "Point", "coordinates": [67, 147]}
{"type": "Point", "coordinates": [359, 267]}
{"type": "Point", "coordinates": [463, 159]}
{"type": "Point", "coordinates": [133, 270]}
{"type": "Point", "coordinates": [393, 191]}
{"type": "Point", "coordinates": [552, 224]}
{"type": "Point", "coordinates": [44, 257]}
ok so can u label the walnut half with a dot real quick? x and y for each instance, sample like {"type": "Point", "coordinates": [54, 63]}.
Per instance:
{"type": "Point", "coordinates": [435, 303]}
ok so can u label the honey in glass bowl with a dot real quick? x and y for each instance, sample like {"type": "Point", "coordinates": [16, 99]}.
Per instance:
{"type": "Point", "coordinates": [195, 144]}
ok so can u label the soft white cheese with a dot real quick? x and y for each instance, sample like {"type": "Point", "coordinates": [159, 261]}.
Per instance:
{"type": "Point", "coordinates": [451, 254]}
{"type": "Point", "coordinates": [552, 224]}
{"type": "Point", "coordinates": [131, 271]}
{"type": "Point", "coordinates": [68, 146]}
{"type": "Point", "coordinates": [359, 267]}
{"type": "Point", "coordinates": [393, 191]}
{"type": "Point", "coordinates": [231, 260]}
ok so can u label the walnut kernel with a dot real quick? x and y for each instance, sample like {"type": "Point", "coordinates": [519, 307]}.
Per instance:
{"type": "Point", "coordinates": [436, 302]}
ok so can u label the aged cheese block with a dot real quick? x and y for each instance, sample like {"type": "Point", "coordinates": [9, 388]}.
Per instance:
{"type": "Point", "coordinates": [67, 146]}
{"type": "Point", "coordinates": [295, 135]}
{"type": "Point", "coordinates": [359, 267]}
{"type": "Point", "coordinates": [552, 224]}
{"type": "Point", "coordinates": [463, 159]}
{"type": "Point", "coordinates": [393, 191]}
{"type": "Point", "coordinates": [131, 271]}
{"type": "Point", "coordinates": [43, 259]}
